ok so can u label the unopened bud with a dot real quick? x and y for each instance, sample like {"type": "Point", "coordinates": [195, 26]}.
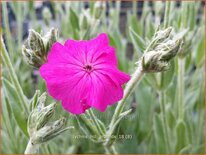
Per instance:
{"type": "Point", "coordinates": [48, 132]}
{"type": "Point", "coordinates": [39, 117]}
{"type": "Point", "coordinates": [158, 60]}
{"type": "Point", "coordinates": [35, 42]}
{"type": "Point", "coordinates": [98, 9]}
{"type": "Point", "coordinates": [151, 62]}
{"type": "Point", "coordinates": [84, 22]}
{"type": "Point", "coordinates": [50, 38]}
{"type": "Point", "coordinates": [41, 101]}
{"type": "Point", "coordinates": [39, 128]}
{"type": "Point", "coordinates": [171, 48]}
{"type": "Point", "coordinates": [46, 15]}
{"type": "Point", "coordinates": [159, 37]}
{"type": "Point", "coordinates": [162, 35]}
{"type": "Point", "coordinates": [44, 115]}
{"type": "Point", "coordinates": [36, 48]}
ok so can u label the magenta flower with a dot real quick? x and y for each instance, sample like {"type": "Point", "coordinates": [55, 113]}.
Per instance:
{"type": "Point", "coordinates": [84, 74]}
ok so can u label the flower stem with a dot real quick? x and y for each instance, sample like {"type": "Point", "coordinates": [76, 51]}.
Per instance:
{"type": "Point", "coordinates": [137, 76]}
{"type": "Point", "coordinates": [164, 120]}
{"type": "Point", "coordinates": [180, 87]}
{"type": "Point", "coordinates": [31, 148]}
{"type": "Point", "coordinates": [7, 31]}
{"type": "Point", "coordinates": [162, 94]}
{"type": "Point", "coordinates": [13, 76]}
{"type": "Point", "coordinates": [166, 15]}
{"type": "Point", "coordinates": [110, 150]}
{"type": "Point", "coordinates": [95, 121]}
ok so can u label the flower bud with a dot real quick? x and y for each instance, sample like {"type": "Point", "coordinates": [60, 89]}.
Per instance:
{"type": "Point", "coordinates": [98, 9]}
{"type": "Point", "coordinates": [36, 47]}
{"type": "Point", "coordinates": [171, 48]}
{"type": "Point", "coordinates": [48, 132]}
{"type": "Point", "coordinates": [159, 37]}
{"type": "Point", "coordinates": [158, 60]}
{"type": "Point", "coordinates": [84, 22]}
{"type": "Point", "coordinates": [162, 35]}
{"type": "Point", "coordinates": [151, 62]}
{"type": "Point", "coordinates": [41, 101]}
{"type": "Point", "coordinates": [39, 128]}
{"type": "Point", "coordinates": [44, 115]}
{"type": "Point", "coordinates": [46, 15]}
{"type": "Point", "coordinates": [35, 41]}
{"type": "Point", "coordinates": [39, 117]}
{"type": "Point", "coordinates": [50, 38]}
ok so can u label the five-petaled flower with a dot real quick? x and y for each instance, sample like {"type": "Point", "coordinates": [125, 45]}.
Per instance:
{"type": "Point", "coordinates": [84, 74]}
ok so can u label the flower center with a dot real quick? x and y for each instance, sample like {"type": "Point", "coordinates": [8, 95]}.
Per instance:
{"type": "Point", "coordinates": [88, 68]}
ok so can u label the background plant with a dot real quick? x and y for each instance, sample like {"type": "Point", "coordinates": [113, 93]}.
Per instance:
{"type": "Point", "coordinates": [141, 131]}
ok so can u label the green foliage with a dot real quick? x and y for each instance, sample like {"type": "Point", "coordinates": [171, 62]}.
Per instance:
{"type": "Point", "coordinates": [142, 131]}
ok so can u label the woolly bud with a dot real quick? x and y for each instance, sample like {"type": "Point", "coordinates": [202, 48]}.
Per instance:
{"type": "Point", "coordinates": [36, 47]}
{"type": "Point", "coordinates": [98, 9]}
{"type": "Point", "coordinates": [158, 60]}
{"type": "Point", "coordinates": [159, 37]}
{"type": "Point", "coordinates": [48, 132]}
{"type": "Point", "coordinates": [39, 128]}
{"type": "Point", "coordinates": [46, 15]}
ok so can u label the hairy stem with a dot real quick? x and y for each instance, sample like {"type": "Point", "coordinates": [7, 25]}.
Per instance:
{"type": "Point", "coordinates": [95, 121]}
{"type": "Point", "coordinates": [164, 120]}
{"type": "Point", "coordinates": [162, 94]}
{"type": "Point", "coordinates": [166, 15]}
{"type": "Point", "coordinates": [110, 150]}
{"type": "Point", "coordinates": [31, 148]}
{"type": "Point", "coordinates": [180, 87]}
{"type": "Point", "coordinates": [13, 76]}
{"type": "Point", "coordinates": [137, 76]}
{"type": "Point", "coordinates": [8, 36]}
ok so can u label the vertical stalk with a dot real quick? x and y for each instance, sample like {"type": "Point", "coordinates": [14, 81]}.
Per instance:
{"type": "Point", "coordinates": [162, 94]}
{"type": "Point", "coordinates": [95, 121]}
{"type": "Point", "coordinates": [134, 8]}
{"type": "Point", "coordinates": [164, 120]}
{"type": "Point", "coordinates": [19, 17]}
{"type": "Point", "coordinates": [137, 76]}
{"type": "Point", "coordinates": [180, 87]}
{"type": "Point", "coordinates": [31, 148]}
{"type": "Point", "coordinates": [166, 15]}
{"type": "Point", "coordinates": [110, 150]}
{"type": "Point", "coordinates": [6, 27]}
{"type": "Point", "coordinates": [6, 59]}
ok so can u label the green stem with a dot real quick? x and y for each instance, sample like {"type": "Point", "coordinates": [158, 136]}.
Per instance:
{"type": "Point", "coordinates": [137, 76]}
{"type": "Point", "coordinates": [19, 23]}
{"type": "Point", "coordinates": [13, 76]}
{"type": "Point", "coordinates": [134, 8]}
{"type": "Point", "coordinates": [31, 148]}
{"type": "Point", "coordinates": [162, 94]}
{"type": "Point", "coordinates": [180, 87]}
{"type": "Point", "coordinates": [95, 121]}
{"type": "Point", "coordinates": [110, 150]}
{"type": "Point", "coordinates": [166, 15]}
{"type": "Point", "coordinates": [164, 120]}
{"type": "Point", "coordinates": [88, 124]}
{"type": "Point", "coordinates": [9, 39]}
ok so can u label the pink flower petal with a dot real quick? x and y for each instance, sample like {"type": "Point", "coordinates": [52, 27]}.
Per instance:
{"type": "Point", "coordinates": [84, 74]}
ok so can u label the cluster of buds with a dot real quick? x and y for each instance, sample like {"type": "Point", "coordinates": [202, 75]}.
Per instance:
{"type": "Point", "coordinates": [36, 47]}
{"type": "Point", "coordinates": [90, 19]}
{"type": "Point", "coordinates": [46, 15]}
{"type": "Point", "coordinates": [162, 49]}
{"type": "Point", "coordinates": [98, 9]}
{"type": "Point", "coordinates": [39, 128]}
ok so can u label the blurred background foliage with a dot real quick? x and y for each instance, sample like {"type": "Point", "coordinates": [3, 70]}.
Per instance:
{"type": "Point", "coordinates": [130, 26]}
